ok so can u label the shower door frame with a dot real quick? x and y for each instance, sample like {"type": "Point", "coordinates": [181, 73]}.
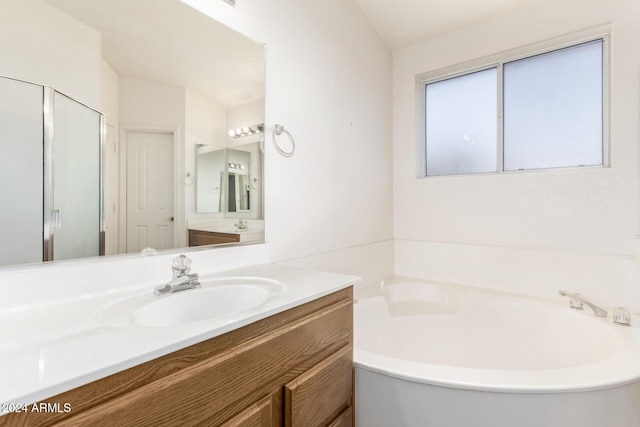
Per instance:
{"type": "Point", "coordinates": [48, 118]}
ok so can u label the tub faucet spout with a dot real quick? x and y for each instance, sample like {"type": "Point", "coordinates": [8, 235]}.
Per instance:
{"type": "Point", "coordinates": [578, 300]}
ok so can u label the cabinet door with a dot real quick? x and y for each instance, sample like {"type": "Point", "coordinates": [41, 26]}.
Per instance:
{"type": "Point", "coordinates": [345, 419]}
{"type": "Point", "coordinates": [316, 397]}
{"type": "Point", "coordinates": [201, 238]}
{"type": "Point", "coordinates": [259, 414]}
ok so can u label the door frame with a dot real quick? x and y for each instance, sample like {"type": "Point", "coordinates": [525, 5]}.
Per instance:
{"type": "Point", "coordinates": [179, 226]}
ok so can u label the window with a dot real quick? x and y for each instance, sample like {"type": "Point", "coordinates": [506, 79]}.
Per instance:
{"type": "Point", "coordinates": [460, 126]}
{"type": "Point", "coordinates": [538, 112]}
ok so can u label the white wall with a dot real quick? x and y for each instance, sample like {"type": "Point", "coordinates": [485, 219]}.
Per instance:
{"type": "Point", "coordinates": [239, 116]}
{"type": "Point", "coordinates": [41, 45]}
{"type": "Point", "coordinates": [146, 103]}
{"type": "Point", "coordinates": [204, 120]}
{"type": "Point", "coordinates": [204, 124]}
{"type": "Point", "coordinates": [329, 83]}
{"type": "Point", "coordinates": [536, 219]}
{"type": "Point", "coordinates": [109, 93]}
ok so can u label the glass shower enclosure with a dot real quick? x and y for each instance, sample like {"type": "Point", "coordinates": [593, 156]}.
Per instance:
{"type": "Point", "coordinates": [50, 170]}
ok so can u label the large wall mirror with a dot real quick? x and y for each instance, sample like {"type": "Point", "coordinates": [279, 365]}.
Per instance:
{"type": "Point", "coordinates": [140, 121]}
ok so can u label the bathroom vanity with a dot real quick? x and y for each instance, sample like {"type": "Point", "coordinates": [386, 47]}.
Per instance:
{"type": "Point", "coordinates": [204, 234]}
{"type": "Point", "coordinates": [288, 362]}
{"type": "Point", "coordinates": [203, 238]}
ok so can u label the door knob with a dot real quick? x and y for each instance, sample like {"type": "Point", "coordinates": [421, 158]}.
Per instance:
{"type": "Point", "coordinates": [171, 219]}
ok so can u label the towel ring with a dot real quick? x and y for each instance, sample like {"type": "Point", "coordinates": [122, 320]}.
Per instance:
{"type": "Point", "coordinates": [279, 131]}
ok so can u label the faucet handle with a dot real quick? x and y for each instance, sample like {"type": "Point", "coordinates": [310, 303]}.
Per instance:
{"type": "Point", "coordinates": [181, 264]}
{"type": "Point", "coordinates": [575, 300]}
{"type": "Point", "coordinates": [621, 316]}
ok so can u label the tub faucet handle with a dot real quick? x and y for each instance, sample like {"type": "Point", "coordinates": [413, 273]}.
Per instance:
{"type": "Point", "coordinates": [621, 316]}
{"type": "Point", "coordinates": [576, 302]}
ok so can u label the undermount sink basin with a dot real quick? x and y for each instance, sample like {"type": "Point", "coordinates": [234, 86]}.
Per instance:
{"type": "Point", "coordinates": [215, 299]}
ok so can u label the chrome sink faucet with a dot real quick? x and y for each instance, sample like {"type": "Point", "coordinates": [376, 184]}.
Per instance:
{"type": "Point", "coordinates": [577, 301]}
{"type": "Point", "coordinates": [182, 280]}
{"type": "Point", "coordinates": [241, 225]}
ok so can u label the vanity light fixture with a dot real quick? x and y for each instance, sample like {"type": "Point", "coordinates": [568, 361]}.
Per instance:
{"type": "Point", "coordinates": [246, 130]}
{"type": "Point", "coordinates": [231, 2]}
{"type": "Point", "coordinates": [236, 166]}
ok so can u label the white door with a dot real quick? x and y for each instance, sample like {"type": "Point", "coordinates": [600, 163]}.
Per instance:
{"type": "Point", "coordinates": [149, 191]}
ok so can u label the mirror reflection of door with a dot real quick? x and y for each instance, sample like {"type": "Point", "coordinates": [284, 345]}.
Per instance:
{"type": "Point", "coordinates": [238, 179]}
{"type": "Point", "coordinates": [150, 191]}
{"type": "Point", "coordinates": [233, 193]}
{"type": "Point", "coordinates": [239, 193]}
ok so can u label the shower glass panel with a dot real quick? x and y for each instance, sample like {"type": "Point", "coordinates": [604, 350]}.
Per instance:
{"type": "Point", "coordinates": [21, 174]}
{"type": "Point", "coordinates": [76, 196]}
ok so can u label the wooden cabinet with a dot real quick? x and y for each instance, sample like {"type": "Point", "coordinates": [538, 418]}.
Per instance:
{"type": "Point", "coordinates": [322, 393]}
{"type": "Point", "coordinates": [203, 238]}
{"type": "Point", "coordinates": [257, 415]}
{"type": "Point", "coordinates": [291, 369]}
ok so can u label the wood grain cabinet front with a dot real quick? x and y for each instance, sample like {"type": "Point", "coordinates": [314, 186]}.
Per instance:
{"type": "Point", "coordinates": [203, 238]}
{"type": "Point", "coordinates": [294, 368]}
{"type": "Point", "coordinates": [260, 414]}
{"type": "Point", "coordinates": [319, 395]}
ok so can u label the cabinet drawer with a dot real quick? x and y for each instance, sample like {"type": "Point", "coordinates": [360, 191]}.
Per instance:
{"type": "Point", "coordinates": [256, 415]}
{"type": "Point", "coordinates": [345, 419]}
{"type": "Point", "coordinates": [318, 395]}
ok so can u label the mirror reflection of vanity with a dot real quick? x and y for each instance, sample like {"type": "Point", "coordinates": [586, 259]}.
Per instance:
{"type": "Point", "coordinates": [228, 182]}
{"type": "Point", "coordinates": [160, 91]}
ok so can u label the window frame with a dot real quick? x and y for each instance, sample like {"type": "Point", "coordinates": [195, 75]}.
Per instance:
{"type": "Point", "coordinates": [498, 61]}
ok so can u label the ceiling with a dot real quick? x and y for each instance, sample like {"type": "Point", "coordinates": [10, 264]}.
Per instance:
{"type": "Point", "coordinates": [169, 42]}
{"type": "Point", "coordinates": [405, 22]}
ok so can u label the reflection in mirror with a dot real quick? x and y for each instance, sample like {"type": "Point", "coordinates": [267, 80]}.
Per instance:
{"type": "Point", "coordinates": [166, 80]}
{"type": "Point", "coordinates": [243, 170]}
{"type": "Point", "coordinates": [228, 180]}
{"type": "Point", "coordinates": [210, 167]}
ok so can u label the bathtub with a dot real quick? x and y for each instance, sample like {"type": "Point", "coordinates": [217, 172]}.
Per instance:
{"type": "Point", "coordinates": [432, 354]}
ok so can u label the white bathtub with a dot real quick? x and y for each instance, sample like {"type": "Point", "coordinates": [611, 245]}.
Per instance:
{"type": "Point", "coordinates": [430, 354]}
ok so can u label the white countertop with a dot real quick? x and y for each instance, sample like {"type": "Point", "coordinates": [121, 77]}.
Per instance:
{"type": "Point", "coordinates": [47, 350]}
